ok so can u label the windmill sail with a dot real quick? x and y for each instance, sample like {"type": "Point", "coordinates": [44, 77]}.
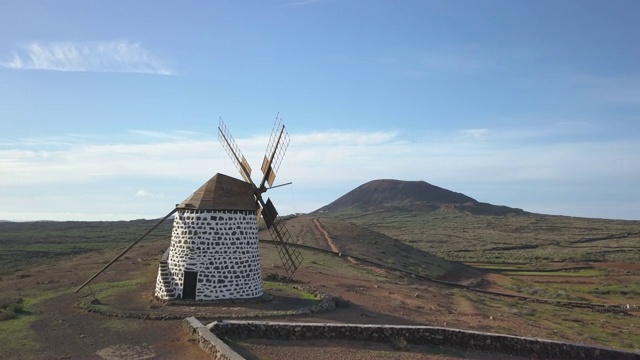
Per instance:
{"type": "Point", "coordinates": [269, 213]}
{"type": "Point", "coordinates": [276, 148]}
{"type": "Point", "coordinates": [234, 152]}
{"type": "Point", "coordinates": [290, 256]}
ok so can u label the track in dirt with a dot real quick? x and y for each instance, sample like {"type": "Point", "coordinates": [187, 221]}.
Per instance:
{"type": "Point", "coordinates": [325, 235]}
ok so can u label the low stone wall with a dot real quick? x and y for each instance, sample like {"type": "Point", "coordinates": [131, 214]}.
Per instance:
{"type": "Point", "coordinates": [208, 341]}
{"type": "Point", "coordinates": [327, 303]}
{"type": "Point", "coordinates": [419, 335]}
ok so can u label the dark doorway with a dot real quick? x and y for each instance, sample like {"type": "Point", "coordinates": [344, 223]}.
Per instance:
{"type": "Point", "coordinates": [189, 287]}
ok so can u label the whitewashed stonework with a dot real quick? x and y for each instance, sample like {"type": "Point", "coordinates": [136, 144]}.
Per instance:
{"type": "Point", "coordinates": [214, 255]}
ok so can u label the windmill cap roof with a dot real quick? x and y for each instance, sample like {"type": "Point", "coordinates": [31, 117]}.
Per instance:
{"type": "Point", "coordinates": [221, 192]}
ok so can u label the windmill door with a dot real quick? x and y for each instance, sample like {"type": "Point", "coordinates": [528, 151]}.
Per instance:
{"type": "Point", "coordinates": [189, 287]}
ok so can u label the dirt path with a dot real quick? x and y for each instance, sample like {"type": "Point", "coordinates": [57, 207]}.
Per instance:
{"type": "Point", "coordinates": [325, 235]}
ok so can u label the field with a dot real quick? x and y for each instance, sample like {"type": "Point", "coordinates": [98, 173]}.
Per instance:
{"type": "Point", "coordinates": [28, 244]}
{"type": "Point", "coordinates": [564, 261]}
{"type": "Point", "coordinates": [554, 257]}
{"type": "Point", "coordinates": [525, 238]}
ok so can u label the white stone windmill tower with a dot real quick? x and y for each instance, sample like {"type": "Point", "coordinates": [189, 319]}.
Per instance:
{"type": "Point", "coordinates": [214, 252]}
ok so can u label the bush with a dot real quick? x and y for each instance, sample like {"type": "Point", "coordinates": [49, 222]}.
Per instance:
{"type": "Point", "coordinates": [10, 308]}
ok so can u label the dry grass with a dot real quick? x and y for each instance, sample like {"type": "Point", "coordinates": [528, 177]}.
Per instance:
{"type": "Point", "coordinates": [527, 238]}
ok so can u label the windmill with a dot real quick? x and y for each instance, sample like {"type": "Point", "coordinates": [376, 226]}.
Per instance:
{"type": "Point", "coordinates": [214, 251]}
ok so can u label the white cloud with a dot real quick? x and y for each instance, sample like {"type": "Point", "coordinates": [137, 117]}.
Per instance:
{"type": "Point", "coordinates": [175, 135]}
{"type": "Point", "coordinates": [142, 193]}
{"type": "Point", "coordinates": [330, 138]}
{"type": "Point", "coordinates": [322, 166]}
{"type": "Point", "coordinates": [146, 194]}
{"type": "Point", "coordinates": [96, 56]}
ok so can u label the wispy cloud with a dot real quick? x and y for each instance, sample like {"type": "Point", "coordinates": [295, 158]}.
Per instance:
{"type": "Point", "coordinates": [135, 169]}
{"type": "Point", "coordinates": [487, 153]}
{"type": "Point", "coordinates": [96, 56]}
{"type": "Point", "coordinates": [330, 138]}
{"type": "Point", "coordinates": [174, 135]}
{"type": "Point", "coordinates": [142, 193]}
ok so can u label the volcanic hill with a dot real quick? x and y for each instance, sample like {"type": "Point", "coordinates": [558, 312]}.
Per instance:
{"type": "Point", "coordinates": [381, 195]}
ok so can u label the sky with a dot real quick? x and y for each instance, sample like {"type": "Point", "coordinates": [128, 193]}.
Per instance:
{"type": "Point", "coordinates": [109, 109]}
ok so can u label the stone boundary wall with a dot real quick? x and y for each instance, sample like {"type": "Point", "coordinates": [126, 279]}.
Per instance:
{"type": "Point", "coordinates": [419, 335]}
{"type": "Point", "coordinates": [210, 343]}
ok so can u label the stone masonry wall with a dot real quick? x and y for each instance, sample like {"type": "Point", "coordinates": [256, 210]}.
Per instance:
{"type": "Point", "coordinates": [208, 341]}
{"type": "Point", "coordinates": [222, 247]}
{"type": "Point", "coordinates": [472, 340]}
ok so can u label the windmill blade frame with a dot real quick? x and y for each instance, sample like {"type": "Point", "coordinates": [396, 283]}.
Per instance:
{"type": "Point", "coordinates": [290, 257]}
{"type": "Point", "coordinates": [225, 138]}
{"type": "Point", "coordinates": [276, 148]}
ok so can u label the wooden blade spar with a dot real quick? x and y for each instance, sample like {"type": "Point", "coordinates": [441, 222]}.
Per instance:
{"type": "Point", "coordinates": [126, 250]}
{"type": "Point", "coordinates": [224, 136]}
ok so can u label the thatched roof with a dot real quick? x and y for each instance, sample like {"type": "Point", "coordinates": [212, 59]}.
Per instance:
{"type": "Point", "coordinates": [221, 192]}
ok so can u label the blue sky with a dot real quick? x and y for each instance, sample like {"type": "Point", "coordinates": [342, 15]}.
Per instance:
{"type": "Point", "coordinates": [110, 108]}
